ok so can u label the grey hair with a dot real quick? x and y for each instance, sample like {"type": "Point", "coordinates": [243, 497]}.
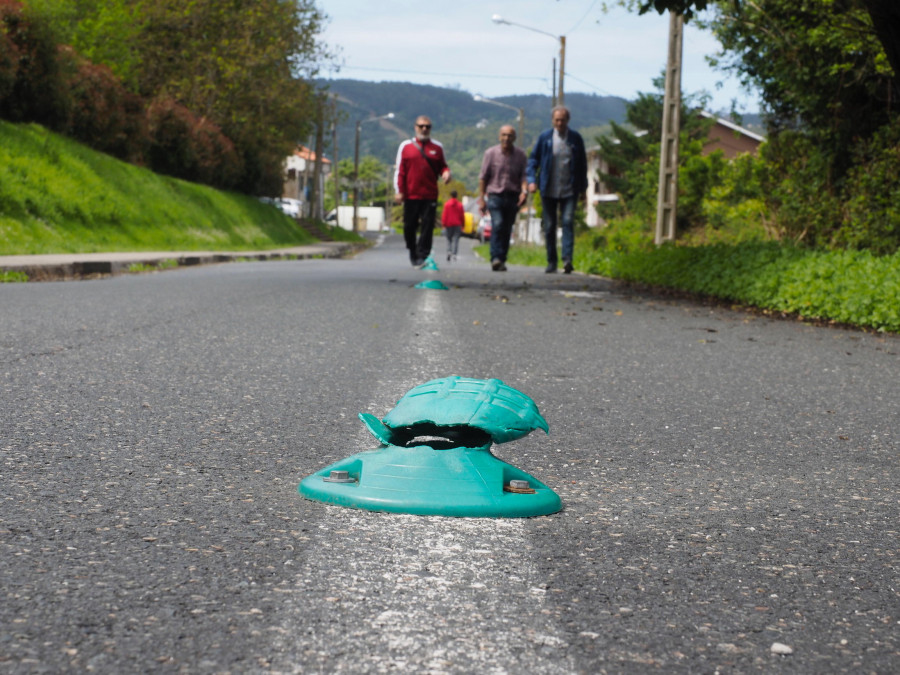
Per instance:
{"type": "Point", "coordinates": [564, 109]}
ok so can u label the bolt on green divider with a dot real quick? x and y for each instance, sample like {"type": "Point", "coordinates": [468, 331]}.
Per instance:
{"type": "Point", "coordinates": [435, 456]}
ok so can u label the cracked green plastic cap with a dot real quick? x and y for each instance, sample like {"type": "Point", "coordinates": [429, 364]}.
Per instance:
{"type": "Point", "coordinates": [435, 457]}
{"type": "Point", "coordinates": [500, 411]}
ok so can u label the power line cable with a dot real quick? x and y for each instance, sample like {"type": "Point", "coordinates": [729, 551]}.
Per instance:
{"type": "Point", "coordinates": [425, 72]}
{"type": "Point", "coordinates": [592, 86]}
{"type": "Point", "coordinates": [590, 9]}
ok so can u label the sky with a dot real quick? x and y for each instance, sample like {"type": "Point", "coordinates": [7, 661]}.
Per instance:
{"type": "Point", "coordinates": [456, 44]}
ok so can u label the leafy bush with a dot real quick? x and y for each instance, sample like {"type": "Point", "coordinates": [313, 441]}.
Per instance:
{"type": "Point", "coordinates": [34, 86]}
{"type": "Point", "coordinates": [872, 212]}
{"type": "Point", "coordinates": [184, 146]}
{"type": "Point", "coordinates": [735, 209]}
{"type": "Point", "coordinates": [104, 115]}
{"type": "Point", "coordinates": [9, 55]}
{"type": "Point", "coordinates": [697, 175]}
{"type": "Point", "coordinates": [853, 287]}
{"type": "Point", "coordinates": [799, 188]}
{"type": "Point", "coordinates": [626, 235]}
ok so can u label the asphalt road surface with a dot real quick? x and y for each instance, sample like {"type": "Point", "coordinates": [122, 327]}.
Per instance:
{"type": "Point", "coordinates": [729, 480]}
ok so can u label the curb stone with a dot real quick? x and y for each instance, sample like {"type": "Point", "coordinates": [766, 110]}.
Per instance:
{"type": "Point", "coordinates": [75, 266]}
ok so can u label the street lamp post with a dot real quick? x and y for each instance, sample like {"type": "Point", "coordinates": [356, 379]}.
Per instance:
{"type": "Point", "coordinates": [359, 123]}
{"type": "Point", "coordinates": [560, 97]}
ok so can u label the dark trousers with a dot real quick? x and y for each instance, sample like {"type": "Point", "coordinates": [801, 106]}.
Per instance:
{"type": "Point", "coordinates": [565, 209]}
{"type": "Point", "coordinates": [453, 232]}
{"type": "Point", "coordinates": [504, 207]}
{"type": "Point", "coordinates": [418, 227]}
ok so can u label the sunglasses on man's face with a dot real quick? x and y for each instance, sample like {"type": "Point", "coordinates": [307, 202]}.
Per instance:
{"type": "Point", "coordinates": [424, 126]}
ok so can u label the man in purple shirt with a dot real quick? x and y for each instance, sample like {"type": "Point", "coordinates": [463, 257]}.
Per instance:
{"type": "Point", "coordinates": [502, 191]}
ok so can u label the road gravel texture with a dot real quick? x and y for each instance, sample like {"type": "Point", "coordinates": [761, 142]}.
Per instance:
{"type": "Point", "coordinates": [729, 480]}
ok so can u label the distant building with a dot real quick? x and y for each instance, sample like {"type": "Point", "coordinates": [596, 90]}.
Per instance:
{"type": "Point", "coordinates": [730, 138]}
{"type": "Point", "coordinates": [724, 135]}
{"type": "Point", "coordinates": [299, 173]}
{"type": "Point", "coordinates": [597, 190]}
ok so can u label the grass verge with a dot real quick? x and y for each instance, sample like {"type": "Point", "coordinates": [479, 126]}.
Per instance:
{"type": "Point", "coordinates": [57, 196]}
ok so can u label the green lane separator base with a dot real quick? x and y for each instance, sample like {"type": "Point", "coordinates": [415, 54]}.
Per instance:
{"type": "Point", "coordinates": [420, 480]}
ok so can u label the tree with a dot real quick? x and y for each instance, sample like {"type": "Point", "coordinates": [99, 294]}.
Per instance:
{"type": "Point", "coordinates": [102, 32]}
{"type": "Point", "coordinates": [32, 76]}
{"type": "Point", "coordinates": [818, 66]}
{"type": "Point", "coordinates": [884, 16]}
{"type": "Point", "coordinates": [244, 66]}
{"type": "Point", "coordinates": [827, 72]}
{"type": "Point", "coordinates": [633, 156]}
{"type": "Point", "coordinates": [886, 21]}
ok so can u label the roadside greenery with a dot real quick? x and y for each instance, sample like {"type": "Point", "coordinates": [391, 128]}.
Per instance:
{"type": "Point", "coordinates": [810, 226]}
{"type": "Point", "coordinates": [844, 286]}
{"type": "Point", "coordinates": [139, 268]}
{"type": "Point", "coordinates": [854, 288]}
{"type": "Point", "coordinates": [828, 176]}
{"type": "Point", "coordinates": [57, 196]}
{"type": "Point", "coordinates": [12, 276]}
{"type": "Point", "coordinates": [212, 92]}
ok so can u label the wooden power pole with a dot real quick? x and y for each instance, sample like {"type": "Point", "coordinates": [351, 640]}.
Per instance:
{"type": "Point", "coordinates": [334, 158]}
{"type": "Point", "coordinates": [667, 199]}
{"type": "Point", "coordinates": [318, 192]}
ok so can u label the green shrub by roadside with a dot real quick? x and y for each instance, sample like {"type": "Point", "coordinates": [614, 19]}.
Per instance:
{"type": "Point", "coordinates": [847, 287]}
{"type": "Point", "coordinates": [852, 287]}
{"type": "Point", "coordinates": [12, 276]}
{"type": "Point", "coordinates": [57, 196]}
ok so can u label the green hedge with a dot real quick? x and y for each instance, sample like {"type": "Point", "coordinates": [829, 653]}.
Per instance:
{"type": "Point", "coordinates": [852, 287]}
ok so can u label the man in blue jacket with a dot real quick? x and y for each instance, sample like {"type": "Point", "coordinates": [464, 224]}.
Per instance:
{"type": "Point", "coordinates": [558, 168]}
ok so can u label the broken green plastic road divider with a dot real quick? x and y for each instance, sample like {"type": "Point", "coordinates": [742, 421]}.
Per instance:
{"type": "Point", "coordinates": [430, 264]}
{"type": "Point", "coordinates": [435, 456]}
{"type": "Point", "coordinates": [433, 284]}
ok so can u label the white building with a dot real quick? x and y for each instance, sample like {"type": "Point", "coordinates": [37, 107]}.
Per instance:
{"type": "Point", "coordinates": [299, 173]}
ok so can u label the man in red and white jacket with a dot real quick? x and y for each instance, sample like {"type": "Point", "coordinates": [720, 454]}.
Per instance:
{"type": "Point", "coordinates": [420, 162]}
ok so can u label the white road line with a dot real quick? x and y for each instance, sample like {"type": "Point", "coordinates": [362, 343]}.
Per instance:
{"type": "Point", "coordinates": [413, 593]}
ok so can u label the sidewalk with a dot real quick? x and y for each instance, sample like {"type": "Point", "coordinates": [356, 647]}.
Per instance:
{"type": "Point", "coordinates": [62, 266]}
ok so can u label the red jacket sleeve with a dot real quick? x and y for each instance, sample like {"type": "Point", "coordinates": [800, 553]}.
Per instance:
{"type": "Point", "coordinates": [402, 171]}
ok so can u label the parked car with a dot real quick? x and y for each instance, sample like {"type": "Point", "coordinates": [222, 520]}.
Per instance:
{"type": "Point", "coordinates": [484, 228]}
{"type": "Point", "coordinates": [469, 228]}
{"type": "Point", "coordinates": [290, 207]}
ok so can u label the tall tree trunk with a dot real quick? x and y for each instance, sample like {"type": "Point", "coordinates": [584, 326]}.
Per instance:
{"type": "Point", "coordinates": [886, 19]}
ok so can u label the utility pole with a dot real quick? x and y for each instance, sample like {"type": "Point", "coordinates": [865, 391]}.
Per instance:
{"type": "Point", "coordinates": [318, 195]}
{"type": "Point", "coordinates": [667, 198]}
{"type": "Point", "coordinates": [561, 99]}
{"type": "Point", "coordinates": [355, 227]}
{"type": "Point", "coordinates": [334, 161]}
{"type": "Point", "coordinates": [308, 193]}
